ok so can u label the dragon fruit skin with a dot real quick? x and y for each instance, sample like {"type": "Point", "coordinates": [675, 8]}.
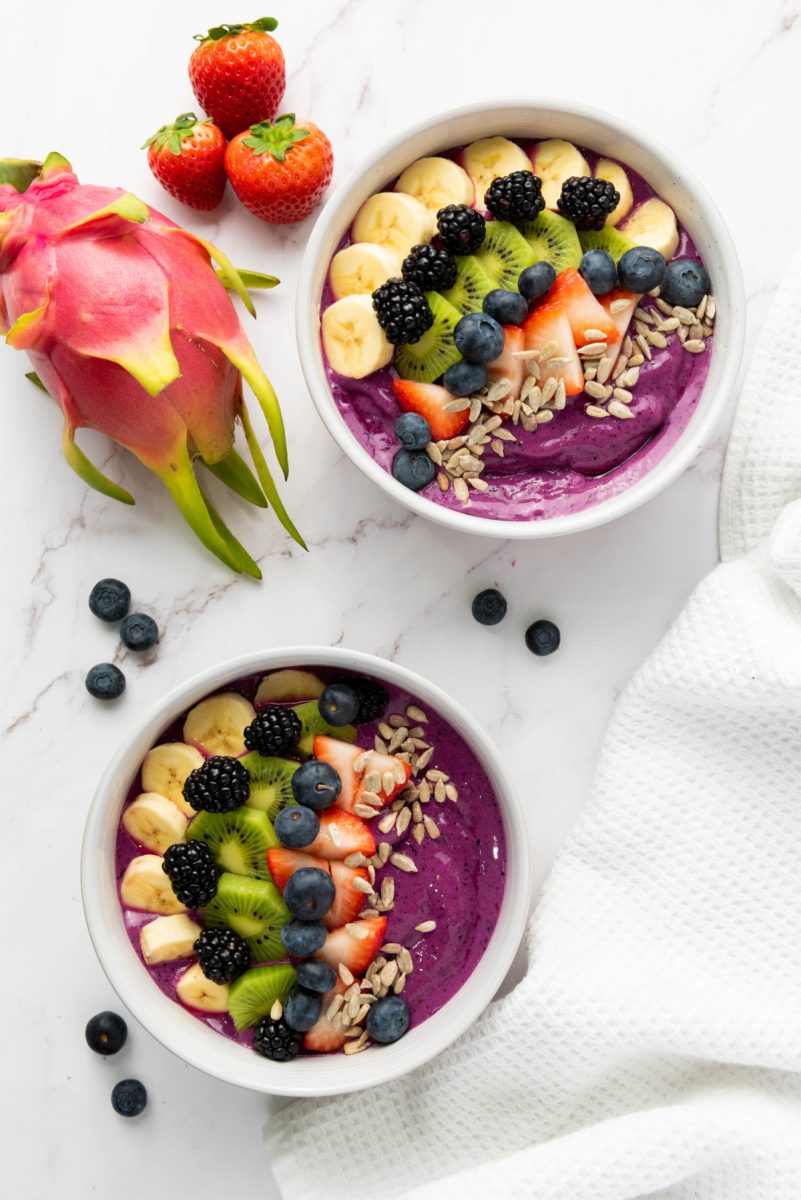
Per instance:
{"type": "Point", "coordinates": [132, 332]}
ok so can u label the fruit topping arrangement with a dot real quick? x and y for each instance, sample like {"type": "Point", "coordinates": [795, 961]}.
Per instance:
{"type": "Point", "coordinates": [502, 287]}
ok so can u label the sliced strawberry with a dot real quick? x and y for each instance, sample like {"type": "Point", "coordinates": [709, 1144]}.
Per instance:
{"type": "Point", "coordinates": [621, 318]}
{"type": "Point", "coordinates": [283, 863]}
{"type": "Point", "coordinates": [384, 765]}
{"type": "Point", "coordinates": [322, 1037]}
{"type": "Point", "coordinates": [349, 901]}
{"type": "Point", "coordinates": [429, 400]}
{"type": "Point", "coordinates": [506, 366]}
{"type": "Point", "coordinates": [549, 323]}
{"type": "Point", "coordinates": [341, 756]}
{"type": "Point", "coordinates": [355, 952]}
{"type": "Point", "coordinates": [583, 310]}
{"type": "Point", "coordinates": [341, 834]}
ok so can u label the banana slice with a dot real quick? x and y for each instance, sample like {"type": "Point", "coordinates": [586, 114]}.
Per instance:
{"type": "Point", "coordinates": [165, 771]}
{"type": "Point", "coordinates": [490, 158]}
{"type": "Point", "coordinates": [361, 268]}
{"type": "Point", "coordinates": [555, 161]}
{"type": "Point", "coordinates": [354, 342]}
{"type": "Point", "coordinates": [653, 224]}
{"type": "Point", "coordinates": [289, 684]}
{"type": "Point", "coordinates": [145, 886]}
{"type": "Point", "coordinates": [393, 220]}
{"type": "Point", "coordinates": [219, 723]}
{"type": "Point", "coordinates": [436, 182]}
{"type": "Point", "coordinates": [605, 168]}
{"type": "Point", "coordinates": [196, 991]}
{"type": "Point", "coordinates": [168, 938]}
{"type": "Point", "coordinates": [154, 821]}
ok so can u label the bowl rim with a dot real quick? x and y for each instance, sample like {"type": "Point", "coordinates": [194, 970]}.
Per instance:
{"type": "Point", "coordinates": [198, 1044]}
{"type": "Point", "coordinates": [692, 438]}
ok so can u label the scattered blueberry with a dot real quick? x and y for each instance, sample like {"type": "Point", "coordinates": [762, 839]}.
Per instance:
{"type": "Point", "coordinates": [296, 826]}
{"type": "Point", "coordinates": [309, 893]}
{"type": "Point", "coordinates": [388, 1019]}
{"type": "Point", "coordinates": [536, 280]}
{"type": "Point", "coordinates": [129, 1097]}
{"type": "Point", "coordinates": [139, 631]}
{"type": "Point", "coordinates": [316, 976]}
{"type": "Point", "coordinates": [105, 681]}
{"type": "Point", "coordinates": [489, 607]}
{"type": "Point", "coordinates": [508, 308]}
{"type": "Point", "coordinates": [641, 269]}
{"type": "Point", "coordinates": [543, 637]}
{"type": "Point", "coordinates": [412, 431]}
{"type": "Point", "coordinates": [301, 938]}
{"type": "Point", "coordinates": [339, 704]}
{"type": "Point", "coordinates": [478, 338]}
{"type": "Point", "coordinates": [686, 282]}
{"type": "Point", "coordinates": [413, 468]}
{"type": "Point", "coordinates": [316, 784]}
{"type": "Point", "coordinates": [106, 1033]}
{"type": "Point", "coordinates": [465, 378]}
{"type": "Point", "coordinates": [597, 269]}
{"type": "Point", "coordinates": [110, 599]}
{"type": "Point", "coordinates": [302, 1008]}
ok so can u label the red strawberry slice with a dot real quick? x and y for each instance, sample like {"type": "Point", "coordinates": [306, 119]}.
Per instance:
{"type": "Point", "coordinates": [383, 765]}
{"type": "Point", "coordinates": [355, 952]}
{"type": "Point", "coordinates": [283, 863]}
{"type": "Point", "coordinates": [341, 756]}
{"type": "Point", "coordinates": [621, 318]}
{"type": "Point", "coordinates": [583, 310]}
{"type": "Point", "coordinates": [549, 323]}
{"type": "Point", "coordinates": [349, 901]}
{"type": "Point", "coordinates": [429, 400]}
{"type": "Point", "coordinates": [322, 1037]}
{"type": "Point", "coordinates": [341, 834]}
{"type": "Point", "coordinates": [506, 366]}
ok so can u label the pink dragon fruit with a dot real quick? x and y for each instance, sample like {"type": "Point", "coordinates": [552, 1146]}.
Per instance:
{"type": "Point", "coordinates": [132, 332]}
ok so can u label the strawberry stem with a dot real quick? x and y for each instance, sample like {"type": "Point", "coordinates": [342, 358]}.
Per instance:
{"type": "Point", "coordinates": [174, 135]}
{"type": "Point", "coordinates": [218, 32]}
{"type": "Point", "coordinates": [277, 137]}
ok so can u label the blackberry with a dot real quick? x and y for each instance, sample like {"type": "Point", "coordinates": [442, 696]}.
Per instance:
{"type": "Point", "coordinates": [431, 269]}
{"type": "Point", "coordinates": [461, 228]}
{"type": "Point", "coordinates": [190, 868]}
{"type": "Point", "coordinates": [274, 729]}
{"type": "Point", "coordinates": [220, 785]}
{"type": "Point", "coordinates": [516, 197]}
{"type": "Point", "coordinates": [223, 955]}
{"type": "Point", "coordinates": [275, 1040]}
{"type": "Point", "coordinates": [587, 202]}
{"type": "Point", "coordinates": [373, 700]}
{"type": "Point", "coordinates": [402, 310]}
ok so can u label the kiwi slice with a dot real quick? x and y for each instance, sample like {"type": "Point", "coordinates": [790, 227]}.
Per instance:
{"type": "Point", "coordinates": [270, 782]}
{"type": "Point", "coordinates": [608, 239]}
{"type": "Point", "coordinates": [313, 724]}
{"type": "Point", "coordinates": [253, 994]}
{"type": "Point", "coordinates": [554, 239]}
{"type": "Point", "coordinates": [253, 908]}
{"type": "Point", "coordinates": [238, 840]}
{"type": "Point", "coordinates": [471, 286]}
{"type": "Point", "coordinates": [431, 355]}
{"type": "Point", "coordinates": [504, 253]}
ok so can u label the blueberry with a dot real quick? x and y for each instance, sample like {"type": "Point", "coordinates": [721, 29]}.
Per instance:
{"type": "Point", "coordinates": [129, 1097]}
{"type": "Point", "coordinates": [412, 431]}
{"type": "Point", "coordinates": [316, 784]}
{"type": "Point", "coordinates": [302, 938]}
{"type": "Point", "coordinates": [465, 378]}
{"type": "Point", "coordinates": [139, 631]}
{"type": "Point", "coordinates": [536, 281]}
{"type": "Point", "coordinates": [309, 893]}
{"type": "Point", "coordinates": [302, 1008]}
{"type": "Point", "coordinates": [388, 1019]}
{"type": "Point", "coordinates": [509, 308]}
{"type": "Point", "coordinates": [106, 1033]}
{"type": "Point", "coordinates": [296, 826]}
{"type": "Point", "coordinates": [686, 282]}
{"type": "Point", "coordinates": [597, 269]}
{"type": "Point", "coordinates": [478, 338]}
{"type": "Point", "coordinates": [641, 269]}
{"type": "Point", "coordinates": [413, 468]}
{"type": "Point", "coordinates": [543, 637]}
{"type": "Point", "coordinates": [339, 704]}
{"type": "Point", "coordinates": [489, 607]}
{"type": "Point", "coordinates": [105, 681]}
{"type": "Point", "coordinates": [110, 599]}
{"type": "Point", "coordinates": [316, 976]}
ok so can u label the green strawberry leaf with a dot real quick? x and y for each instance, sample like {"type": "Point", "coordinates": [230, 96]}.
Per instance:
{"type": "Point", "coordinates": [173, 135]}
{"type": "Point", "coordinates": [218, 32]}
{"type": "Point", "coordinates": [276, 138]}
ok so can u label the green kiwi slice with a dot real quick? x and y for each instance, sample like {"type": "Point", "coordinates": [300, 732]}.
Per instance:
{"type": "Point", "coordinates": [313, 724]}
{"type": "Point", "coordinates": [431, 355]}
{"type": "Point", "coordinates": [608, 239]}
{"type": "Point", "coordinates": [471, 286]}
{"type": "Point", "coordinates": [253, 994]}
{"type": "Point", "coordinates": [270, 782]}
{"type": "Point", "coordinates": [504, 253]}
{"type": "Point", "coordinates": [253, 908]}
{"type": "Point", "coordinates": [554, 239]}
{"type": "Point", "coordinates": [238, 840]}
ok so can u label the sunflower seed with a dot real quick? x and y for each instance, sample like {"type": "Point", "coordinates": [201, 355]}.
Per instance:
{"type": "Point", "coordinates": [345, 975]}
{"type": "Point", "coordinates": [334, 835]}
{"type": "Point", "coordinates": [395, 720]}
{"type": "Point", "coordinates": [696, 331]}
{"type": "Point", "coordinates": [386, 823]}
{"type": "Point", "coordinates": [636, 360]}
{"type": "Point", "coordinates": [475, 408]}
{"type": "Point", "coordinates": [642, 343]}
{"type": "Point", "coordinates": [620, 366]}
{"type": "Point", "coordinates": [669, 325]}
{"type": "Point", "coordinates": [656, 339]}
{"type": "Point", "coordinates": [405, 961]}
{"type": "Point", "coordinates": [622, 395]}
{"type": "Point", "coordinates": [618, 305]}
{"type": "Point", "coordinates": [434, 774]}
{"type": "Point", "coordinates": [356, 931]}
{"type": "Point", "coordinates": [439, 792]}
{"type": "Point", "coordinates": [334, 1007]}
{"type": "Point", "coordinates": [525, 355]}
{"type": "Point", "coordinates": [594, 335]}
{"type": "Point", "coordinates": [642, 314]}
{"type": "Point", "coordinates": [590, 372]}
{"type": "Point", "coordinates": [685, 316]}
{"type": "Point", "coordinates": [418, 833]}
{"type": "Point", "coordinates": [364, 810]}
{"type": "Point", "coordinates": [403, 863]}
{"type": "Point", "coordinates": [388, 890]}
{"type": "Point", "coordinates": [277, 1010]}
{"type": "Point", "coordinates": [424, 792]}
{"type": "Point", "coordinates": [629, 378]}
{"type": "Point", "coordinates": [556, 364]}
{"type": "Point", "coordinates": [683, 332]}
{"type": "Point", "coordinates": [399, 985]}
{"type": "Point", "coordinates": [389, 974]}
{"type": "Point", "coordinates": [560, 399]}
{"type": "Point", "coordinates": [628, 347]}
{"type": "Point", "coordinates": [403, 821]}
{"type": "Point", "coordinates": [664, 307]}
{"type": "Point", "coordinates": [356, 1047]}
{"type": "Point", "coordinates": [434, 453]}
{"type": "Point", "coordinates": [695, 346]}
{"type": "Point", "coordinates": [497, 447]}
{"type": "Point", "coordinates": [451, 792]}
{"type": "Point", "coordinates": [443, 481]}
{"type": "Point", "coordinates": [371, 798]}
{"type": "Point", "coordinates": [380, 745]}
{"type": "Point", "coordinates": [385, 730]}
{"type": "Point", "coordinates": [426, 927]}
{"type": "Point", "coordinates": [604, 368]}
{"type": "Point", "coordinates": [361, 762]}
{"type": "Point", "coordinates": [366, 913]}
{"type": "Point", "coordinates": [397, 805]}
{"type": "Point", "coordinates": [596, 390]}
{"type": "Point", "coordinates": [548, 349]}
{"type": "Point", "coordinates": [617, 409]}
{"type": "Point", "coordinates": [592, 350]}
{"type": "Point", "coordinates": [356, 860]}
{"type": "Point", "coordinates": [417, 812]}
{"type": "Point", "coordinates": [362, 885]}
{"type": "Point", "coordinates": [506, 435]}
{"type": "Point", "coordinates": [458, 404]}
{"type": "Point", "coordinates": [384, 851]}
{"type": "Point", "coordinates": [592, 410]}
{"type": "Point", "coordinates": [711, 309]}
{"type": "Point", "coordinates": [461, 491]}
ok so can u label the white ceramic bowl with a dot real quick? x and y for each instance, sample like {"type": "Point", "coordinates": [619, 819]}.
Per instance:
{"type": "Point", "coordinates": [196, 1042]}
{"type": "Point", "coordinates": [529, 119]}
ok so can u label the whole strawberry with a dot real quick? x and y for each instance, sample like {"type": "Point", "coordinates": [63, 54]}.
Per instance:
{"type": "Point", "coordinates": [238, 74]}
{"type": "Point", "coordinates": [280, 171]}
{"type": "Point", "coordinates": [188, 158]}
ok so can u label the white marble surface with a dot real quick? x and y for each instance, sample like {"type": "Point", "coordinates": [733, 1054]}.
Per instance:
{"type": "Point", "coordinates": [93, 80]}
